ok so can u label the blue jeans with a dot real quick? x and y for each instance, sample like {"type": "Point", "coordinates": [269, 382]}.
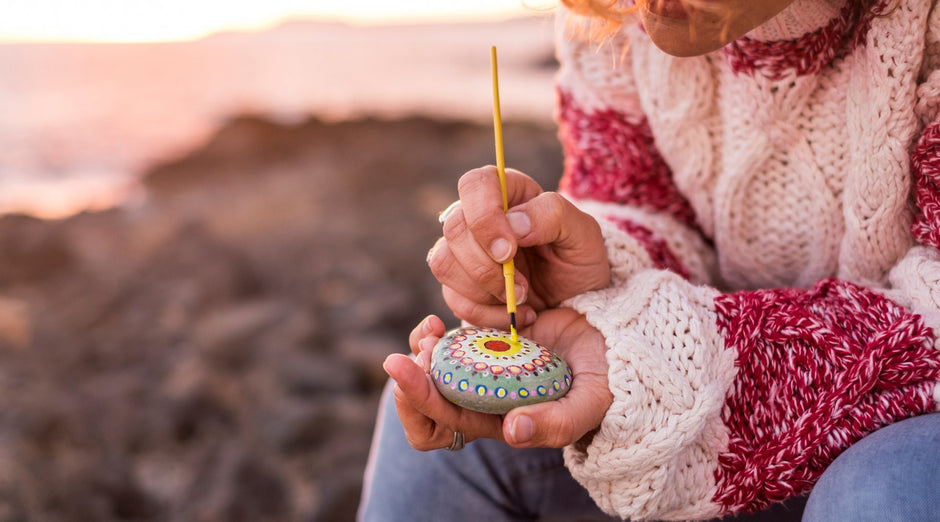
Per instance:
{"type": "Point", "coordinates": [892, 474]}
{"type": "Point", "coordinates": [492, 482]}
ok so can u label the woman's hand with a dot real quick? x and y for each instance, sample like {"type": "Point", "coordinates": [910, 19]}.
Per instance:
{"type": "Point", "coordinates": [559, 251]}
{"type": "Point", "coordinates": [430, 420]}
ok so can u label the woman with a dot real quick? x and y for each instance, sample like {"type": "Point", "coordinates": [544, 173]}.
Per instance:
{"type": "Point", "coordinates": [742, 271]}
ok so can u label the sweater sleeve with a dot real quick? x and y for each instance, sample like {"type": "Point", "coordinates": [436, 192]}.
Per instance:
{"type": "Point", "coordinates": [613, 169]}
{"type": "Point", "coordinates": [726, 402]}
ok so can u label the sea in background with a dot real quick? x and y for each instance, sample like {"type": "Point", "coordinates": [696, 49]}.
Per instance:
{"type": "Point", "coordinates": [80, 122]}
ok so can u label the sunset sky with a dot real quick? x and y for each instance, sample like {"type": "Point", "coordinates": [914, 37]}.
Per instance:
{"type": "Point", "coordinates": [159, 20]}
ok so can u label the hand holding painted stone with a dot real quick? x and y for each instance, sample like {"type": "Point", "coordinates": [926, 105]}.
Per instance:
{"type": "Point", "coordinates": [430, 420]}
{"type": "Point", "coordinates": [485, 370]}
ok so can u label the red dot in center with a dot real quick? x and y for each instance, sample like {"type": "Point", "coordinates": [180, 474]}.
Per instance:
{"type": "Point", "coordinates": [496, 345]}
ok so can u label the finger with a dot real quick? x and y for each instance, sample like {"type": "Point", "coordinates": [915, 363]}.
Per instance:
{"type": "Point", "coordinates": [558, 223]}
{"type": "Point", "coordinates": [482, 204]}
{"type": "Point", "coordinates": [562, 422]}
{"type": "Point", "coordinates": [421, 431]}
{"type": "Point", "coordinates": [492, 315]}
{"type": "Point", "coordinates": [416, 387]}
{"type": "Point", "coordinates": [449, 271]}
{"type": "Point", "coordinates": [430, 326]}
{"type": "Point", "coordinates": [458, 260]}
{"type": "Point", "coordinates": [559, 423]}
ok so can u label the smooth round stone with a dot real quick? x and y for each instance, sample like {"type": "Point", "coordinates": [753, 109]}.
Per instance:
{"type": "Point", "coordinates": [482, 369]}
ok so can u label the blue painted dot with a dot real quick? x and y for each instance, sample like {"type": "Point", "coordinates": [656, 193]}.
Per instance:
{"type": "Point", "coordinates": [481, 390]}
{"type": "Point", "coordinates": [463, 385]}
{"type": "Point", "coordinates": [523, 393]}
{"type": "Point", "coordinates": [448, 377]}
{"type": "Point", "coordinates": [541, 391]}
{"type": "Point", "coordinates": [500, 393]}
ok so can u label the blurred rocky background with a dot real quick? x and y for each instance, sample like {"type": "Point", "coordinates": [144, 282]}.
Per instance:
{"type": "Point", "coordinates": [213, 352]}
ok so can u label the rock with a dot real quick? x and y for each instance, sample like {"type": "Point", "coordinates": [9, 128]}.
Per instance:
{"type": "Point", "coordinates": [33, 250]}
{"type": "Point", "coordinates": [215, 353]}
{"type": "Point", "coordinates": [483, 369]}
{"type": "Point", "coordinates": [367, 352]}
{"type": "Point", "coordinates": [15, 323]}
{"type": "Point", "coordinates": [311, 374]}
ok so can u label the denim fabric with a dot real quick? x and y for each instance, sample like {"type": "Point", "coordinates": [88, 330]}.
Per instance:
{"type": "Point", "coordinates": [893, 474]}
{"type": "Point", "coordinates": [486, 481]}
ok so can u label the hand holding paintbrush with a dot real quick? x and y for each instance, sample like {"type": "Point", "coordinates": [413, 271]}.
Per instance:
{"type": "Point", "coordinates": [492, 371]}
{"type": "Point", "coordinates": [487, 370]}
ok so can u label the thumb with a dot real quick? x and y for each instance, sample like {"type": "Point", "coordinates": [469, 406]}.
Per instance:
{"type": "Point", "coordinates": [556, 423]}
{"type": "Point", "coordinates": [550, 218]}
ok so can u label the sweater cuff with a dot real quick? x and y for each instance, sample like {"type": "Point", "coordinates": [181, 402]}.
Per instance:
{"type": "Point", "coordinates": [656, 452]}
{"type": "Point", "coordinates": [915, 283]}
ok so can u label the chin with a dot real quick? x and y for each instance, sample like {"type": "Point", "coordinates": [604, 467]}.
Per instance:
{"type": "Point", "coordinates": [677, 37]}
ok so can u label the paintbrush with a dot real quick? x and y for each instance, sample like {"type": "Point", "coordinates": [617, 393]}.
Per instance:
{"type": "Point", "coordinates": [509, 270]}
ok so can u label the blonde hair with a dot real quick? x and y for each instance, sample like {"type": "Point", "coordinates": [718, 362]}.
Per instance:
{"type": "Point", "coordinates": [608, 16]}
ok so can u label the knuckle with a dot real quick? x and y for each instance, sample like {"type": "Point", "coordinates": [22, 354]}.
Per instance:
{"type": "Point", "coordinates": [420, 444]}
{"type": "Point", "coordinates": [442, 264]}
{"type": "Point", "coordinates": [472, 179]}
{"type": "Point", "coordinates": [455, 224]}
{"type": "Point", "coordinates": [555, 205]}
{"type": "Point", "coordinates": [464, 308]}
{"type": "Point", "coordinates": [562, 432]}
{"type": "Point", "coordinates": [482, 272]}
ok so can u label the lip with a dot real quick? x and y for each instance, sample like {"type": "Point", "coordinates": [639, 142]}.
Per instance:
{"type": "Point", "coordinates": [667, 9]}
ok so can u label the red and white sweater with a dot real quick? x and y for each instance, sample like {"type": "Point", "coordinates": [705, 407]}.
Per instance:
{"type": "Point", "coordinates": [772, 217]}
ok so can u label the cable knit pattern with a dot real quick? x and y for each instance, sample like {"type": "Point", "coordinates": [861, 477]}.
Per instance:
{"type": "Point", "coordinates": [778, 59]}
{"type": "Point", "coordinates": [656, 453]}
{"type": "Point", "coordinates": [611, 159]}
{"type": "Point", "coordinates": [655, 246]}
{"type": "Point", "coordinates": [662, 238]}
{"type": "Point", "coordinates": [926, 164]}
{"type": "Point", "coordinates": [778, 175]}
{"type": "Point", "coordinates": [817, 370]}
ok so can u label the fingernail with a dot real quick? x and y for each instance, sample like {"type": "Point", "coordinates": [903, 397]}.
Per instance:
{"type": "Point", "coordinates": [522, 429]}
{"type": "Point", "coordinates": [500, 250]}
{"type": "Point", "coordinates": [429, 256]}
{"type": "Point", "coordinates": [424, 360]}
{"type": "Point", "coordinates": [426, 326]}
{"type": "Point", "coordinates": [520, 294]}
{"type": "Point", "coordinates": [519, 223]}
{"type": "Point", "coordinates": [426, 344]}
{"type": "Point", "coordinates": [448, 211]}
{"type": "Point", "coordinates": [530, 316]}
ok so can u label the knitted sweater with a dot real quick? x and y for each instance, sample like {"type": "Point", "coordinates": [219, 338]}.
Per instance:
{"type": "Point", "coordinates": [772, 217]}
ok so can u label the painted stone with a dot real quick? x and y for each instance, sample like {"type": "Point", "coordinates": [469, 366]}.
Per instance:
{"type": "Point", "coordinates": [482, 369]}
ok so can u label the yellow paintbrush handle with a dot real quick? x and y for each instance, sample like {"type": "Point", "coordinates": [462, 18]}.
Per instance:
{"type": "Point", "coordinates": [509, 271]}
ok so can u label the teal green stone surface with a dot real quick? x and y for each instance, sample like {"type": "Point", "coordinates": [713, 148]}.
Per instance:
{"type": "Point", "coordinates": [482, 369]}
